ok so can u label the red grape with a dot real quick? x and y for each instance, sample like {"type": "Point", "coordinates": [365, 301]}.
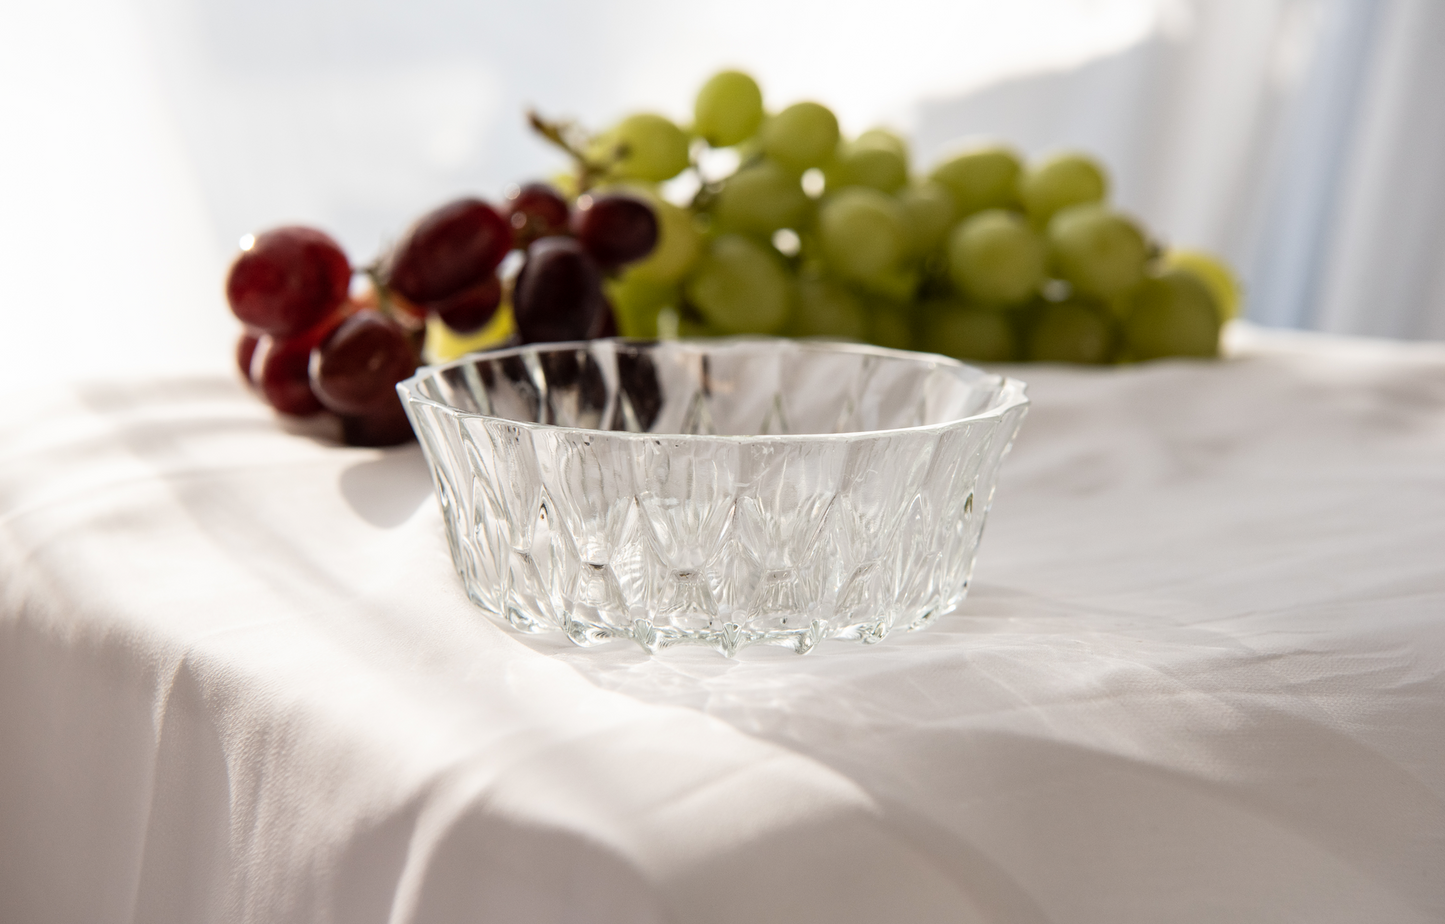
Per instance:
{"type": "Point", "coordinates": [472, 307]}
{"type": "Point", "coordinates": [355, 370]}
{"type": "Point", "coordinates": [615, 228]}
{"type": "Point", "coordinates": [449, 249]}
{"type": "Point", "coordinates": [283, 377]}
{"type": "Point", "coordinates": [536, 210]}
{"type": "Point", "coordinates": [604, 324]}
{"type": "Point", "coordinates": [287, 280]}
{"type": "Point", "coordinates": [245, 352]}
{"type": "Point", "coordinates": [558, 293]}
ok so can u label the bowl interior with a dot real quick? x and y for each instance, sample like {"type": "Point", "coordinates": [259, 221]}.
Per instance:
{"type": "Point", "coordinates": [740, 388]}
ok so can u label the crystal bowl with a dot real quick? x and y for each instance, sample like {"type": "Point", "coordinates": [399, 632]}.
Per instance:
{"type": "Point", "coordinates": [721, 493]}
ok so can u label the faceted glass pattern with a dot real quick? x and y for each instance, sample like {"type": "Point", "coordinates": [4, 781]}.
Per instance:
{"type": "Point", "coordinates": [721, 493]}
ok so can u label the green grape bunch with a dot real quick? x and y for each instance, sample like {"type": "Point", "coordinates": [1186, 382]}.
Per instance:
{"type": "Point", "coordinates": [985, 257]}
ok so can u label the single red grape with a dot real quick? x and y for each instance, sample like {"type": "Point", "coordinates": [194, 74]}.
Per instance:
{"type": "Point", "coordinates": [245, 352]}
{"type": "Point", "coordinates": [283, 377]}
{"type": "Point", "coordinates": [616, 228]}
{"type": "Point", "coordinates": [536, 210]}
{"type": "Point", "coordinates": [472, 307]}
{"type": "Point", "coordinates": [449, 249]}
{"type": "Point", "coordinates": [604, 324]}
{"type": "Point", "coordinates": [558, 292]}
{"type": "Point", "coordinates": [386, 426]}
{"type": "Point", "coordinates": [355, 370]}
{"type": "Point", "coordinates": [287, 280]}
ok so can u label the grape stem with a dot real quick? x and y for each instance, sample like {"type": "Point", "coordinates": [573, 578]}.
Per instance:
{"type": "Point", "coordinates": [570, 137]}
{"type": "Point", "coordinates": [708, 190]}
{"type": "Point", "coordinates": [388, 302]}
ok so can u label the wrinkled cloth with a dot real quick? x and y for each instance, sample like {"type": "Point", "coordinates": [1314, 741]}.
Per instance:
{"type": "Point", "coordinates": [1200, 677]}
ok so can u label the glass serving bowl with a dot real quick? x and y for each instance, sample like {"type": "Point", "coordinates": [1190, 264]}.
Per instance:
{"type": "Point", "coordinates": [722, 493]}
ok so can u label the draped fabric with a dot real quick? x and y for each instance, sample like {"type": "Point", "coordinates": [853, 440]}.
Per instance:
{"type": "Point", "coordinates": [1200, 676]}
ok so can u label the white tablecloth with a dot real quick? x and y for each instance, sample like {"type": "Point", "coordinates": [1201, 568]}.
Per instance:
{"type": "Point", "coordinates": [1200, 677]}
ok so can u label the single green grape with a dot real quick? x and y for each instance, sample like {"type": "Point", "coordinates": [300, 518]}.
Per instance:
{"type": "Point", "coordinates": [652, 147]}
{"type": "Point", "coordinates": [760, 199]}
{"type": "Point", "coordinates": [1097, 250]}
{"type": "Point", "coordinates": [982, 179]}
{"type": "Point", "coordinates": [862, 232]}
{"type": "Point", "coordinates": [728, 109]}
{"type": "Point", "coordinates": [691, 328]}
{"type": "Point", "coordinates": [1059, 182]}
{"type": "Point", "coordinates": [859, 163]}
{"type": "Point", "coordinates": [825, 308]}
{"type": "Point", "coordinates": [958, 330]}
{"type": "Point", "coordinates": [678, 244]}
{"type": "Point", "coordinates": [883, 138]}
{"type": "Point", "coordinates": [740, 287]}
{"type": "Point", "coordinates": [995, 257]}
{"type": "Point", "coordinates": [801, 136]}
{"type": "Point", "coordinates": [636, 301]}
{"type": "Point", "coordinates": [898, 284]}
{"type": "Point", "coordinates": [1172, 314]}
{"type": "Point", "coordinates": [927, 214]}
{"type": "Point", "coordinates": [1214, 273]}
{"type": "Point", "coordinates": [890, 324]}
{"type": "Point", "coordinates": [1071, 331]}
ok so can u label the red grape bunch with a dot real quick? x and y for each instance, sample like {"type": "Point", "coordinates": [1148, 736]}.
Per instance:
{"type": "Point", "coordinates": [311, 346]}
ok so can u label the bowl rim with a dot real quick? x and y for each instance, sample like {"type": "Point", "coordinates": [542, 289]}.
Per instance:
{"type": "Point", "coordinates": [1012, 392]}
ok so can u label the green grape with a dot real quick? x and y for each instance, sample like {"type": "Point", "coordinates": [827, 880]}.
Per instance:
{"type": "Point", "coordinates": [760, 199]}
{"type": "Point", "coordinates": [957, 330]}
{"type": "Point", "coordinates": [883, 138]}
{"type": "Point", "coordinates": [1118, 305]}
{"type": "Point", "coordinates": [653, 148]}
{"type": "Point", "coordinates": [740, 287]}
{"type": "Point", "coordinates": [692, 328]}
{"type": "Point", "coordinates": [1215, 275]}
{"type": "Point", "coordinates": [826, 309]}
{"type": "Point", "coordinates": [801, 136]}
{"type": "Point", "coordinates": [1059, 182]}
{"type": "Point", "coordinates": [678, 244]}
{"type": "Point", "coordinates": [1071, 331]}
{"type": "Point", "coordinates": [1096, 250]}
{"type": "Point", "coordinates": [890, 324]}
{"type": "Point", "coordinates": [728, 110]}
{"type": "Point", "coordinates": [636, 301]}
{"type": "Point", "coordinates": [898, 284]}
{"type": "Point", "coordinates": [982, 179]}
{"type": "Point", "coordinates": [927, 215]}
{"type": "Point", "coordinates": [862, 232]}
{"type": "Point", "coordinates": [995, 257]}
{"type": "Point", "coordinates": [860, 164]}
{"type": "Point", "coordinates": [1172, 314]}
